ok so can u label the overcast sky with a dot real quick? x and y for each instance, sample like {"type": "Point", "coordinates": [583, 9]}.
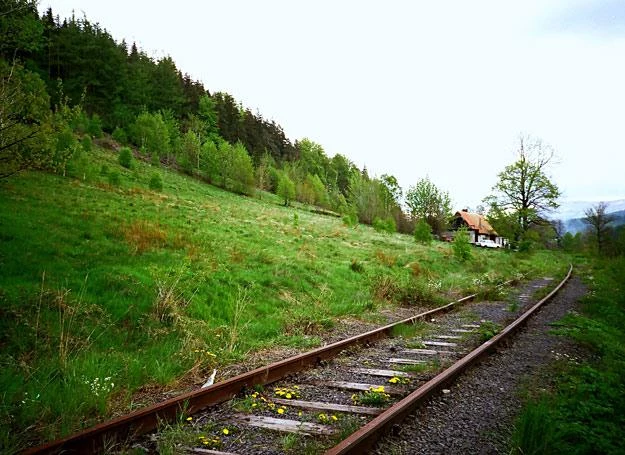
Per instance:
{"type": "Point", "coordinates": [409, 88]}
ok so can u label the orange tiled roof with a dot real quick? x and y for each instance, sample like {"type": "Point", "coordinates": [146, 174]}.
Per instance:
{"type": "Point", "coordinates": [477, 222]}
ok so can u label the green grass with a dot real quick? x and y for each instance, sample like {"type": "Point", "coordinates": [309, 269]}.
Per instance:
{"type": "Point", "coordinates": [417, 329]}
{"type": "Point", "coordinates": [427, 367]}
{"type": "Point", "coordinates": [585, 411]}
{"type": "Point", "coordinates": [487, 330]}
{"type": "Point", "coordinates": [147, 287]}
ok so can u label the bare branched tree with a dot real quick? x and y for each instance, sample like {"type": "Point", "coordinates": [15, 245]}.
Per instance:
{"type": "Point", "coordinates": [598, 220]}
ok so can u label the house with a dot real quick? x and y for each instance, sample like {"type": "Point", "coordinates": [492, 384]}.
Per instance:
{"type": "Point", "coordinates": [478, 227]}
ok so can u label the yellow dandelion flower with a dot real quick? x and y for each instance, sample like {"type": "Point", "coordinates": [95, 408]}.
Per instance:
{"type": "Point", "coordinates": [189, 419]}
{"type": "Point", "coordinates": [288, 396]}
{"type": "Point", "coordinates": [225, 431]}
{"type": "Point", "coordinates": [299, 413]}
{"type": "Point", "coordinates": [335, 418]}
{"type": "Point", "coordinates": [280, 411]}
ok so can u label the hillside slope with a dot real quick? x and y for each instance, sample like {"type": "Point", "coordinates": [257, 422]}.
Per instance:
{"type": "Point", "coordinates": [109, 288]}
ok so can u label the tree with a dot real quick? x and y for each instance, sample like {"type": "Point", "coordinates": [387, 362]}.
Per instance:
{"type": "Point", "coordinates": [240, 177]}
{"type": "Point", "coordinates": [598, 220]}
{"type": "Point", "coordinates": [286, 189]}
{"type": "Point", "coordinates": [263, 172]}
{"type": "Point", "coordinates": [24, 113]}
{"type": "Point", "coordinates": [429, 203]}
{"type": "Point", "coordinates": [423, 232]}
{"type": "Point", "coordinates": [190, 152]}
{"type": "Point", "coordinates": [151, 134]}
{"type": "Point", "coordinates": [524, 189]}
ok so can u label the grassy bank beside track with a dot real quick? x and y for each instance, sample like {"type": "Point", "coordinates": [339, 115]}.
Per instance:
{"type": "Point", "coordinates": [107, 291]}
{"type": "Point", "coordinates": [584, 410]}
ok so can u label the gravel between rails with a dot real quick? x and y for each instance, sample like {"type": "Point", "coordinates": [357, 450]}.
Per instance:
{"type": "Point", "coordinates": [477, 414]}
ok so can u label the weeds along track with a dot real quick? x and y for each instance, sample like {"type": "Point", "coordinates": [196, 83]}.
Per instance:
{"type": "Point", "coordinates": [336, 399]}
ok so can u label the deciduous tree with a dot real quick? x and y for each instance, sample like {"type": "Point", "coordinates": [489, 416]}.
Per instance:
{"type": "Point", "coordinates": [524, 189]}
{"type": "Point", "coordinates": [427, 202]}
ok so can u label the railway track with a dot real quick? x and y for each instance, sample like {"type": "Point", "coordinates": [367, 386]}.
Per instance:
{"type": "Point", "coordinates": [339, 398]}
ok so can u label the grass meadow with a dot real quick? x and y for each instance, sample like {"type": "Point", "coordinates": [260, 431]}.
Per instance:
{"type": "Point", "coordinates": [108, 288]}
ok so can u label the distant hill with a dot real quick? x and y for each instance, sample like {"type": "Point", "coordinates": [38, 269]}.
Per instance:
{"type": "Point", "coordinates": [575, 225]}
{"type": "Point", "coordinates": [570, 210]}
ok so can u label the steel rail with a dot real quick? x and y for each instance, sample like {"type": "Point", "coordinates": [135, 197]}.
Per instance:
{"type": "Point", "coordinates": [363, 439]}
{"type": "Point", "coordinates": [106, 434]}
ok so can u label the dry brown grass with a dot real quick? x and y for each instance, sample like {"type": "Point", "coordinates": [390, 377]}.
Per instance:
{"type": "Point", "coordinates": [415, 268]}
{"type": "Point", "coordinates": [386, 259]}
{"type": "Point", "coordinates": [143, 235]}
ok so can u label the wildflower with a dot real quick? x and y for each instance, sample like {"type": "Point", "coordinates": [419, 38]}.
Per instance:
{"type": "Point", "coordinates": [280, 410]}
{"type": "Point", "coordinates": [335, 418]}
{"type": "Point", "coordinates": [189, 419]}
{"type": "Point", "coordinates": [394, 380]}
{"type": "Point", "coordinates": [299, 413]}
{"type": "Point", "coordinates": [225, 431]}
{"type": "Point", "coordinates": [288, 396]}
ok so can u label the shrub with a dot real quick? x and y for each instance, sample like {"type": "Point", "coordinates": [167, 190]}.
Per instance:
{"type": "Point", "coordinates": [350, 220]}
{"type": "Point", "coordinates": [387, 225]}
{"type": "Point", "coordinates": [422, 232]}
{"type": "Point", "coordinates": [461, 245]}
{"type": "Point", "coordinates": [86, 143]}
{"type": "Point", "coordinates": [120, 135]}
{"type": "Point", "coordinates": [156, 182]}
{"type": "Point", "coordinates": [114, 178]}
{"type": "Point", "coordinates": [94, 126]}
{"type": "Point", "coordinates": [125, 157]}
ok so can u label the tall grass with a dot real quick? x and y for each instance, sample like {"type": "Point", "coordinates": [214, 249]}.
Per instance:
{"type": "Point", "coordinates": [585, 413]}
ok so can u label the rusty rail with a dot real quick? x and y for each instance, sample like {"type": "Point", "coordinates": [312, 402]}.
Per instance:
{"type": "Point", "coordinates": [106, 434]}
{"type": "Point", "coordinates": [363, 439]}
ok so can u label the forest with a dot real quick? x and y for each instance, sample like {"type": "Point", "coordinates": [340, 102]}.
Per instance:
{"type": "Point", "coordinates": [70, 83]}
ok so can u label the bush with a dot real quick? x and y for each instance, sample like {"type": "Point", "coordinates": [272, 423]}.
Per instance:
{"type": "Point", "coordinates": [125, 157]}
{"type": "Point", "coordinates": [156, 182]}
{"type": "Point", "coordinates": [422, 233]}
{"type": "Point", "coordinates": [461, 245]}
{"type": "Point", "coordinates": [120, 135]}
{"type": "Point", "coordinates": [86, 143]}
{"type": "Point", "coordinates": [114, 178]}
{"type": "Point", "coordinates": [387, 225]}
{"type": "Point", "coordinates": [350, 220]}
{"type": "Point", "coordinates": [94, 126]}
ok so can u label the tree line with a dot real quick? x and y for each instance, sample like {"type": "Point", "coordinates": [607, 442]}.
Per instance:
{"type": "Point", "coordinates": [69, 78]}
{"type": "Point", "coordinates": [65, 82]}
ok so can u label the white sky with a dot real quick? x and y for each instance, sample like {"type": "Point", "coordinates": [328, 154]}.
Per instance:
{"type": "Point", "coordinates": [409, 88]}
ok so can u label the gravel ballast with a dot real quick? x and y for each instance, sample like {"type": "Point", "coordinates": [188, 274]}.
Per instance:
{"type": "Point", "coordinates": [476, 413]}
